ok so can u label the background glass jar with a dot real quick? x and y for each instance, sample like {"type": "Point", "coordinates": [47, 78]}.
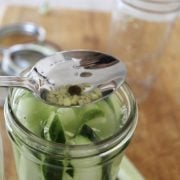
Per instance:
{"type": "Point", "coordinates": [49, 160]}
{"type": "Point", "coordinates": [139, 33]}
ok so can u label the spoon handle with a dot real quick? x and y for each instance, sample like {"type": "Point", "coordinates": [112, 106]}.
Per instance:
{"type": "Point", "coordinates": [16, 81]}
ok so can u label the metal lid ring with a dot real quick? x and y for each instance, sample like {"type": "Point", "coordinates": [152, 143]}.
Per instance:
{"type": "Point", "coordinates": [27, 28]}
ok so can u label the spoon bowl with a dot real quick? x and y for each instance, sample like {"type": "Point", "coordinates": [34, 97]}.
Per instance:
{"type": "Point", "coordinates": [89, 70]}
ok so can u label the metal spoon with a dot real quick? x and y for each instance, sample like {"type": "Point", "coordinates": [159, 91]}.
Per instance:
{"type": "Point", "coordinates": [76, 67]}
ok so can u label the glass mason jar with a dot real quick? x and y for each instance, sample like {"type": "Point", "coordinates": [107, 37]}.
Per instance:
{"type": "Point", "coordinates": [139, 32]}
{"type": "Point", "coordinates": [38, 158]}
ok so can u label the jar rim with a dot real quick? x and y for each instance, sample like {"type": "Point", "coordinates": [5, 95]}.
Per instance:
{"type": "Point", "coordinates": [153, 6]}
{"type": "Point", "coordinates": [160, 1]}
{"type": "Point", "coordinates": [118, 139]}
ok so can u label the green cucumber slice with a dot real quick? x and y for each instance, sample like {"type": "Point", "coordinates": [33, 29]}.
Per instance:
{"type": "Point", "coordinates": [87, 132]}
{"type": "Point", "coordinates": [53, 130]}
{"type": "Point", "coordinates": [91, 112]}
{"type": "Point", "coordinates": [105, 125]}
{"type": "Point", "coordinates": [81, 168]}
{"type": "Point", "coordinates": [52, 169]}
{"type": "Point", "coordinates": [32, 113]}
{"type": "Point", "coordinates": [28, 168]}
{"type": "Point", "coordinates": [70, 170]}
{"type": "Point", "coordinates": [114, 102]}
{"type": "Point", "coordinates": [70, 121]}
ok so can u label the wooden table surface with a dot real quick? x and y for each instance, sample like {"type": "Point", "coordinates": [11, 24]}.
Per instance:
{"type": "Point", "coordinates": [155, 148]}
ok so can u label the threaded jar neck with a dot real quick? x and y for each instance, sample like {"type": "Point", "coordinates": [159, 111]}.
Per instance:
{"type": "Point", "coordinates": [117, 141]}
{"type": "Point", "coordinates": [160, 10]}
{"type": "Point", "coordinates": [152, 6]}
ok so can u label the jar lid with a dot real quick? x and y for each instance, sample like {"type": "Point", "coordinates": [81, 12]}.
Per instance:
{"type": "Point", "coordinates": [21, 56]}
{"type": "Point", "coordinates": [25, 28]}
